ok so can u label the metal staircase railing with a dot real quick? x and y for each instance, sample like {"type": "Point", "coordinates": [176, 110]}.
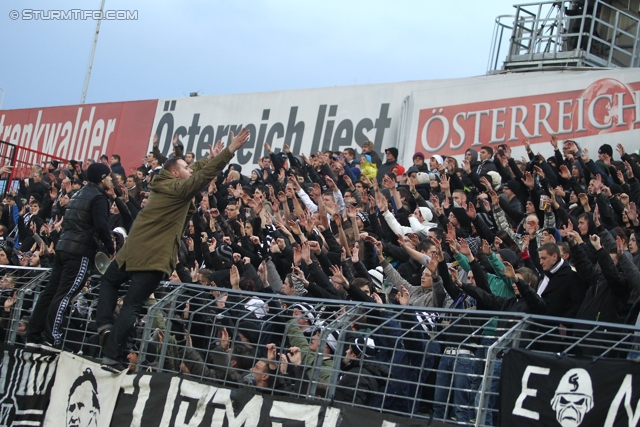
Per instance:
{"type": "Point", "coordinates": [549, 33]}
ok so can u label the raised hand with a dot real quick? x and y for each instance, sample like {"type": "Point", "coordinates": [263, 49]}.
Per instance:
{"type": "Point", "coordinates": [336, 274]}
{"type": "Point", "coordinates": [403, 296]}
{"type": "Point", "coordinates": [378, 245]}
{"type": "Point", "coordinates": [381, 202]}
{"type": "Point", "coordinates": [377, 298]}
{"type": "Point", "coordinates": [554, 142]}
{"type": "Point", "coordinates": [485, 248]}
{"type": "Point", "coordinates": [632, 213]}
{"type": "Point", "coordinates": [414, 239]}
{"type": "Point", "coordinates": [238, 141]}
{"type": "Point", "coordinates": [619, 246]}
{"type": "Point", "coordinates": [595, 241]}
{"type": "Point", "coordinates": [464, 247]}
{"type": "Point", "coordinates": [330, 183]}
{"type": "Point", "coordinates": [445, 184]}
{"type": "Point", "coordinates": [352, 212]}
{"type": "Point", "coordinates": [355, 253]}
{"type": "Point", "coordinates": [271, 351]}
{"type": "Point", "coordinates": [564, 172]}
{"type": "Point", "coordinates": [620, 149]}
{"type": "Point", "coordinates": [314, 246]}
{"type": "Point", "coordinates": [539, 171]}
{"type": "Point", "coordinates": [234, 277]}
{"type": "Point", "coordinates": [629, 170]}
{"type": "Point", "coordinates": [495, 198]}
{"type": "Point", "coordinates": [295, 227]}
{"type": "Point", "coordinates": [528, 180]}
{"type": "Point", "coordinates": [509, 271]}
{"type": "Point", "coordinates": [454, 246]}
{"type": "Point", "coordinates": [306, 252]}
{"type": "Point", "coordinates": [451, 232]}
{"type": "Point", "coordinates": [337, 219]}
{"type": "Point", "coordinates": [454, 276]}
{"type": "Point", "coordinates": [295, 355]}
{"type": "Point", "coordinates": [215, 150]}
{"type": "Point", "coordinates": [485, 182]}
{"type": "Point", "coordinates": [584, 200]}
{"type": "Point", "coordinates": [193, 272]}
{"type": "Point", "coordinates": [471, 211]}
{"type": "Point", "coordinates": [388, 182]}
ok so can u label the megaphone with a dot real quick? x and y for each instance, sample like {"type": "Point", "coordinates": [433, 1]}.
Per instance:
{"type": "Point", "coordinates": [102, 262]}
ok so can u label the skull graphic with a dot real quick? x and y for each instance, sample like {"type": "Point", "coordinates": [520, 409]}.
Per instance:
{"type": "Point", "coordinates": [573, 398]}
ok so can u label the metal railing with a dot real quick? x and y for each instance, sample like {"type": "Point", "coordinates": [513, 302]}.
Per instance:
{"type": "Point", "coordinates": [19, 289]}
{"type": "Point", "coordinates": [592, 33]}
{"type": "Point", "coordinates": [427, 363]}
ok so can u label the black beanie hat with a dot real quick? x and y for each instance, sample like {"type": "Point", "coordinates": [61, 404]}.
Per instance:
{"type": "Point", "coordinates": [96, 172]}
{"type": "Point", "coordinates": [250, 330]}
{"type": "Point", "coordinates": [463, 218]}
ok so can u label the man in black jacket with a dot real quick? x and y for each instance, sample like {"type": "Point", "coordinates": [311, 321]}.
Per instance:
{"type": "Point", "coordinates": [560, 288]}
{"type": "Point", "coordinates": [607, 290]}
{"type": "Point", "coordinates": [85, 224]}
{"type": "Point", "coordinates": [362, 378]}
{"type": "Point", "coordinates": [392, 160]}
{"type": "Point", "coordinates": [116, 167]}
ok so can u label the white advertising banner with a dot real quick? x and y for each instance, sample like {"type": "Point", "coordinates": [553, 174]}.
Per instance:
{"type": "Point", "coordinates": [592, 107]}
{"type": "Point", "coordinates": [438, 116]}
{"type": "Point", "coordinates": [308, 120]}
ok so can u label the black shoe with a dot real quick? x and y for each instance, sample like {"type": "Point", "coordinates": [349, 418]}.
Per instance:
{"type": "Point", "coordinates": [104, 335]}
{"type": "Point", "coordinates": [112, 366]}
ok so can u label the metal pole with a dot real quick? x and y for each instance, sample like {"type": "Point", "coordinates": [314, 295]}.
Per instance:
{"type": "Point", "coordinates": [93, 52]}
{"type": "Point", "coordinates": [1, 99]}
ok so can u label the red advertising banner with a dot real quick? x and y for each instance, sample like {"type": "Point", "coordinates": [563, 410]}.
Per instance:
{"type": "Point", "coordinates": [605, 106]}
{"type": "Point", "coordinates": [78, 132]}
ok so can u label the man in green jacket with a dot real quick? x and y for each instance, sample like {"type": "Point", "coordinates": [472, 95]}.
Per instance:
{"type": "Point", "coordinates": [151, 249]}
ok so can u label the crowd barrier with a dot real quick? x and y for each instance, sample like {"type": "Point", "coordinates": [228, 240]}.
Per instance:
{"type": "Point", "coordinates": [22, 161]}
{"type": "Point", "coordinates": [429, 362]}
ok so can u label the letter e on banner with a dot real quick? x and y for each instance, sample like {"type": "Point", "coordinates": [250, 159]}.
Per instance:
{"type": "Point", "coordinates": [294, 411]}
{"type": "Point", "coordinates": [528, 392]}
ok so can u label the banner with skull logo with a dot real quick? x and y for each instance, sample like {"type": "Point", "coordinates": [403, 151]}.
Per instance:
{"type": "Point", "coordinates": [551, 390]}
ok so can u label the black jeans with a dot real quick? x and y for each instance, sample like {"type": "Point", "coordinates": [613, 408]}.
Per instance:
{"type": "Point", "coordinates": [141, 286]}
{"type": "Point", "coordinates": [65, 282]}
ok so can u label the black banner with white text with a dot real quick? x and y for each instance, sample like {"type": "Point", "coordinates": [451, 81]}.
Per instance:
{"type": "Point", "coordinates": [548, 390]}
{"type": "Point", "coordinates": [50, 390]}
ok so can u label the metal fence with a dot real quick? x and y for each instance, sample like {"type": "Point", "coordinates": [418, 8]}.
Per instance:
{"type": "Point", "coordinates": [22, 160]}
{"type": "Point", "coordinates": [421, 363]}
{"type": "Point", "coordinates": [19, 289]}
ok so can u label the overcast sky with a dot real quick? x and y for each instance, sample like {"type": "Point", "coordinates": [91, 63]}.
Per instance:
{"type": "Point", "coordinates": [221, 47]}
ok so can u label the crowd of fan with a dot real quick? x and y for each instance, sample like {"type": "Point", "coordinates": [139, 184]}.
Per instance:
{"type": "Point", "coordinates": [553, 236]}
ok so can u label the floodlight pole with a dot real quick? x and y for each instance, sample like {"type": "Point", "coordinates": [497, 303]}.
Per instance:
{"type": "Point", "coordinates": [93, 52]}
